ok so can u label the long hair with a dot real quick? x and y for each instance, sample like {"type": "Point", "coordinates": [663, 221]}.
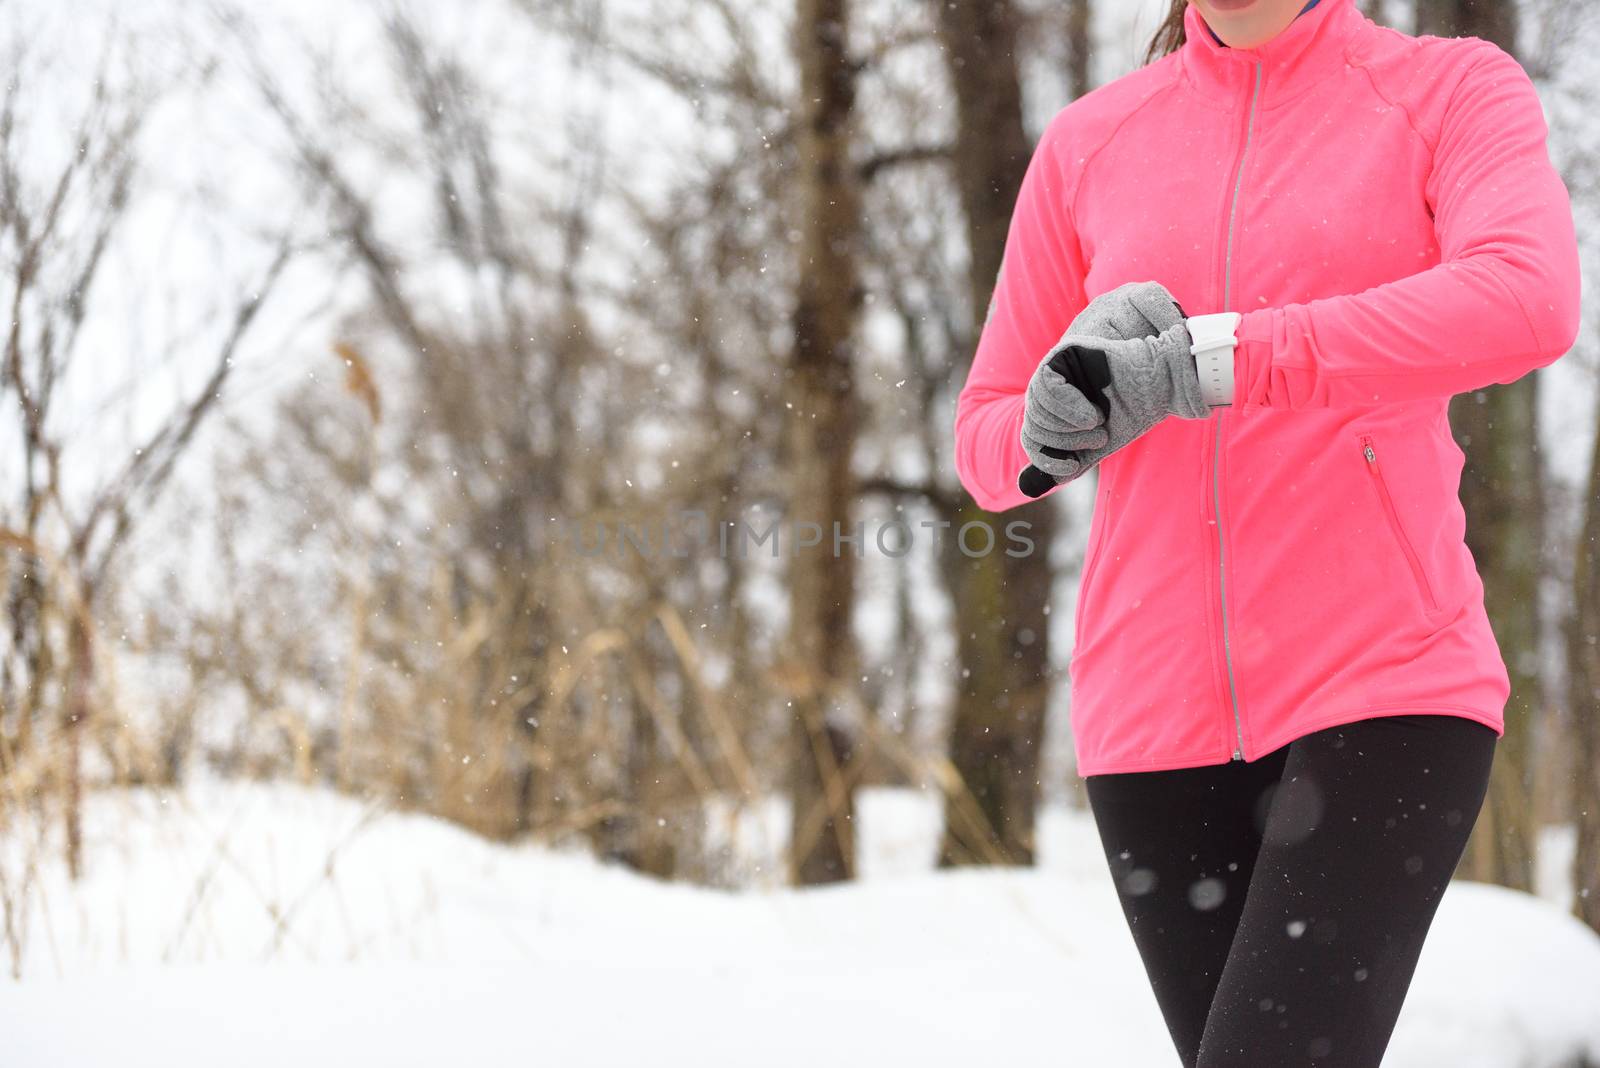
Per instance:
{"type": "Point", "coordinates": [1169, 35]}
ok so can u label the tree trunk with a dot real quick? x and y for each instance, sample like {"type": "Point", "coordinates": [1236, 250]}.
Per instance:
{"type": "Point", "coordinates": [76, 722]}
{"type": "Point", "coordinates": [1080, 47]}
{"type": "Point", "coordinates": [1502, 491]}
{"type": "Point", "coordinates": [998, 728]}
{"type": "Point", "coordinates": [1001, 602]}
{"type": "Point", "coordinates": [820, 433]}
{"type": "Point", "coordinates": [1583, 661]}
{"type": "Point", "coordinates": [1493, 20]}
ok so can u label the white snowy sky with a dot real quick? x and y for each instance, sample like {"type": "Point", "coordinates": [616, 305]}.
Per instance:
{"type": "Point", "coordinates": [216, 189]}
{"type": "Point", "coordinates": [219, 190]}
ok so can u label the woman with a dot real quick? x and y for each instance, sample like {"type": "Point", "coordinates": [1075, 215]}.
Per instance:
{"type": "Point", "coordinates": [1302, 233]}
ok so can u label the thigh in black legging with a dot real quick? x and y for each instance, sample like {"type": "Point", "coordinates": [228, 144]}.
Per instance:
{"type": "Point", "coordinates": [1181, 845]}
{"type": "Point", "coordinates": [1362, 836]}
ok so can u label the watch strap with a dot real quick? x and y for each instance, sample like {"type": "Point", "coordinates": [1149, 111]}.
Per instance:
{"type": "Point", "coordinates": [1213, 340]}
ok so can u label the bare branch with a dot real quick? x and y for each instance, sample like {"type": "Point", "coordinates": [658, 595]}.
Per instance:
{"type": "Point", "coordinates": [144, 476]}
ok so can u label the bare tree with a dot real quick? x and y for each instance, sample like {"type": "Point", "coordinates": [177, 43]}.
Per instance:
{"type": "Point", "coordinates": [1001, 601]}
{"type": "Point", "coordinates": [1080, 46]}
{"type": "Point", "coordinates": [1502, 491]}
{"type": "Point", "coordinates": [820, 436]}
{"type": "Point", "coordinates": [1492, 20]}
{"type": "Point", "coordinates": [66, 543]}
{"type": "Point", "coordinates": [1583, 661]}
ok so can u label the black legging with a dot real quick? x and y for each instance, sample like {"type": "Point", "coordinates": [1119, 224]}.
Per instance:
{"type": "Point", "coordinates": [1280, 904]}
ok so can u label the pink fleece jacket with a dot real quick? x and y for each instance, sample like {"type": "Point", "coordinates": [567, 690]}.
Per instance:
{"type": "Point", "coordinates": [1382, 210]}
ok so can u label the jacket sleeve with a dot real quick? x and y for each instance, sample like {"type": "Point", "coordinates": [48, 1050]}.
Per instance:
{"type": "Point", "coordinates": [1502, 301]}
{"type": "Point", "coordinates": [1038, 293]}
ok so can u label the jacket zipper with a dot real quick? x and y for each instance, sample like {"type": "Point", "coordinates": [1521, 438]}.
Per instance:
{"type": "Point", "coordinates": [1394, 523]}
{"type": "Point", "coordinates": [1216, 448]}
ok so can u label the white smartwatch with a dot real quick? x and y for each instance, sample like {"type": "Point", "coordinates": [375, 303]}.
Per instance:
{"type": "Point", "coordinates": [1214, 341]}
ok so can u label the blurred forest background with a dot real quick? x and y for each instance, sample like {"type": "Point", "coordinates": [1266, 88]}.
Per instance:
{"type": "Point", "coordinates": [323, 317]}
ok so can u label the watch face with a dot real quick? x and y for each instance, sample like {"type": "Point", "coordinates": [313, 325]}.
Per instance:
{"type": "Point", "coordinates": [1214, 329]}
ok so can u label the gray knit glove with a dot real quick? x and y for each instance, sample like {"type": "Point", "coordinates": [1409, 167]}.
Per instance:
{"type": "Point", "coordinates": [1111, 377]}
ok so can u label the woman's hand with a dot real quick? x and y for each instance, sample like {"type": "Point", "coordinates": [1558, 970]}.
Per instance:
{"type": "Point", "coordinates": [1123, 365]}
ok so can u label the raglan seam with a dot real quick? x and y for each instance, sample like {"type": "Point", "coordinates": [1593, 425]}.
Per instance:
{"type": "Point", "coordinates": [1394, 102]}
{"type": "Point", "coordinates": [1088, 160]}
{"type": "Point", "coordinates": [1485, 50]}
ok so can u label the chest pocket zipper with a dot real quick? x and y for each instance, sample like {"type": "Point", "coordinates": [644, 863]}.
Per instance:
{"type": "Point", "coordinates": [1412, 560]}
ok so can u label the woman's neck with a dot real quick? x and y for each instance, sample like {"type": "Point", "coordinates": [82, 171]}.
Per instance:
{"type": "Point", "coordinates": [1311, 4]}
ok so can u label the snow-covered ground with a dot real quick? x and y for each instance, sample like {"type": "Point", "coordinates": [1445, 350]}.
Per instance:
{"type": "Point", "coordinates": [272, 925]}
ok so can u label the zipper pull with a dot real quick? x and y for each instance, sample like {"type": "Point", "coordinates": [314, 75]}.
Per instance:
{"type": "Point", "coordinates": [1366, 449]}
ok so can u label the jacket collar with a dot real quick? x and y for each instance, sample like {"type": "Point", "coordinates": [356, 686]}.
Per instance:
{"type": "Point", "coordinates": [1310, 47]}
